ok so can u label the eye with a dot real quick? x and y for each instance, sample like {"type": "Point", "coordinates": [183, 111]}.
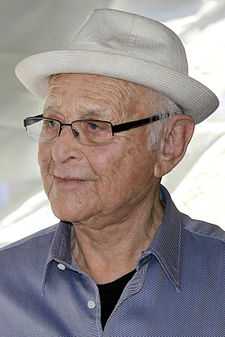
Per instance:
{"type": "Point", "coordinates": [93, 125]}
{"type": "Point", "coordinates": [49, 123]}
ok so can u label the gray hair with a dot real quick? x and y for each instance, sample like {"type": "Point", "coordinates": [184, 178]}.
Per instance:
{"type": "Point", "coordinates": [165, 106]}
{"type": "Point", "coordinates": [154, 102]}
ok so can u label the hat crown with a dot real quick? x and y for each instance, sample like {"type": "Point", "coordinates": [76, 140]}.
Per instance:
{"type": "Point", "coordinates": [124, 46]}
{"type": "Point", "coordinates": [118, 32]}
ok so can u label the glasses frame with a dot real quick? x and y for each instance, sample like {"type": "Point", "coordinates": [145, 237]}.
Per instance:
{"type": "Point", "coordinates": [116, 128]}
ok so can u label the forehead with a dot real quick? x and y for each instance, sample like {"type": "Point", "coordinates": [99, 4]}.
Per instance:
{"type": "Point", "coordinates": [86, 81]}
{"type": "Point", "coordinates": [80, 93]}
{"type": "Point", "coordinates": [83, 91]}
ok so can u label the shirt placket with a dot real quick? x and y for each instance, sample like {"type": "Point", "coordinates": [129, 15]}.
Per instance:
{"type": "Point", "coordinates": [133, 287]}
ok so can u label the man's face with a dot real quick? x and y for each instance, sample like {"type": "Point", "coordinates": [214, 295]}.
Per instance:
{"type": "Point", "coordinates": [102, 181]}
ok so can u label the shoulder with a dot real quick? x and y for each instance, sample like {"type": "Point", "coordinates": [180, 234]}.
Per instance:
{"type": "Point", "coordinates": [23, 265]}
{"type": "Point", "coordinates": [204, 236]}
{"type": "Point", "coordinates": [28, 246]}
{"type": "Point", "coordinates": [204, 229]}
{"type": "Point", "coordinates": [25, 260]}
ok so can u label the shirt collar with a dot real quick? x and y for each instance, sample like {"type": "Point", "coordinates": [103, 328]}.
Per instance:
{"type": "Point", "coordinates": [60, 248]}
{"type": "Point", "coordinates": [166, 245]}
{"type": "Point", "coordinates": [61, 243]}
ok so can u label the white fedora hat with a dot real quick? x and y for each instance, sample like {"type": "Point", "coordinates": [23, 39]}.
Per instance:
{"type": "Point", "coordinates": [125, 46]}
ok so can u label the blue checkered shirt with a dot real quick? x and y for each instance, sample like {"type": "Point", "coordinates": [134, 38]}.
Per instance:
{"type": "Point", "coordinates": [178, 289]}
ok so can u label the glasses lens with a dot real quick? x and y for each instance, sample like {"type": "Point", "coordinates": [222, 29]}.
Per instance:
{"type": "Point", "coordinates": [93, 131]}
{"type": "Point", "coordinates": [43, 130]}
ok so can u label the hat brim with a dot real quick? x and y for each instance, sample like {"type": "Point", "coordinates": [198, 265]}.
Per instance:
{"type": "Point", "coordinates": [193, 97]}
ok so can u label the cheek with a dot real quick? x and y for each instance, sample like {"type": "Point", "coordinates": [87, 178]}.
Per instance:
{"type": "Point", "coordinates": [107, 162]}
{"type": "Point", "coordinates": [122, 173]}
{"type": "Point", "coordinates": [44, 160]}
{"type": "Point", "coordinates": [44, 155]}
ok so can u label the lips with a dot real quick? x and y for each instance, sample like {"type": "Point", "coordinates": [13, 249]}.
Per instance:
{"type": "Point", "coordinates": [69, 184]}
{"type": "Point", "coordinates": [67, 179]}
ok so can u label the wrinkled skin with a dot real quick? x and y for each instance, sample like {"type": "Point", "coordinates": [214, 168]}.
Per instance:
{"type": "Point", "coordinates": [115, 175]}
{"type": "Point", "coordinates": [115, 204]}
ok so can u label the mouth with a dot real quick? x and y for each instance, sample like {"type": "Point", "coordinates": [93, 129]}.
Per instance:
{"type": "Point", "coordinates": [67, 179]}
{"type": "Point", "coordinates": [68, 183]}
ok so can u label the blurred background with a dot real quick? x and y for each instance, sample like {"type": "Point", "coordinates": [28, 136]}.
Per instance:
{"type": "Point", "coordinates": [27, 27]}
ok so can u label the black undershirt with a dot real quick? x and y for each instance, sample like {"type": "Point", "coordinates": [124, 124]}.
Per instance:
{"type": "Point", "coordinates": [110, 294]}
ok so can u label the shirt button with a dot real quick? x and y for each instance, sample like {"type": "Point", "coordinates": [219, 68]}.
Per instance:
{"type": "Point", "coordinates": [91, 304]}
{"type": "Point", "coordinates": [61, 266]}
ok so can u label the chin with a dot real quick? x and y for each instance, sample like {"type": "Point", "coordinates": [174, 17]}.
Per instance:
{"type": "Point", "coordinates": [64, 215]}
{"type": "Point", "coordinates": [70, 214]}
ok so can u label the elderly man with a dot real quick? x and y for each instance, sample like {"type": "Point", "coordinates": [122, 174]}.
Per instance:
{"type": "Point", "coordinates": [118, 115]}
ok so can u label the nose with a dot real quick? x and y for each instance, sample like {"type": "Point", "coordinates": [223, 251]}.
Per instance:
{"type": "Point", "coordinates": [74, 131]}
{"type": "Point", "coordinates": [66, 146]}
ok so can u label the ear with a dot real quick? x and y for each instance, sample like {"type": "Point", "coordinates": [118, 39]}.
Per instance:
{"type": "Point", "coordinates": [175, 138]}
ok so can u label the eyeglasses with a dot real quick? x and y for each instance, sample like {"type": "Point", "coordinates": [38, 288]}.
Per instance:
{"type": "Point", "coordinates": [88, 131]}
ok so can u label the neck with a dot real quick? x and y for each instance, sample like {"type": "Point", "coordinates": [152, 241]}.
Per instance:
{"type": "Point", "coordinates": [108, 252]}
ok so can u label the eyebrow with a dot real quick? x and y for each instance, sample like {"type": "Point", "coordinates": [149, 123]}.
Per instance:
{"type": "Point", "coordinates": [50, 109]}
{"type": "Point", "coordinates": [90, 114]}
